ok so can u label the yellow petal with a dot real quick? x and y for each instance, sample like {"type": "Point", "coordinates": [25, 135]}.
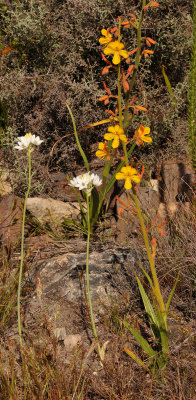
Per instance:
{"type": "Point", "coordinates": [107, 51]}
{"type": "Point", "coordinates": [128, 184]}
{"type": "Point", "coordinates": [119, 175]}
{"type": "Point", "coordinates": [103, 40]}
{"type": "Point", "coordinates": [104, 32]}
{"type": "Point", "coordinates": [100, 153]}
{"type": "Point", "coordinates": [123, 138]}
{"type": "Point", "coordinates": [115, 143]}
{"type": "Point", "coordinates": [136, 178]}
{"type": "Point", "coordinates": [124, 53]}
{"type": "Point", "coordinates": [147, 139]}
{"type": "Point", "coordinates": [131, 171]}
{"type": "Point", "coordinates": [109, 136]}
{"type": "Point", "coordinates": [116, 58]}
{"type": "Point", "coordinates": [124, 170]}
{"type": "Point", "coordinates": [146, 130]}
{"type": "Point", "coordinates": [101, 146]}
{"type": "Point", "coordinates": [111, 129]}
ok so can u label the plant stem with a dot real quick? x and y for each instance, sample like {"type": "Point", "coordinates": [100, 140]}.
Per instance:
{"type": "Point", "coordinates": [150, 258]}
{"type": "Point", "coordinates": [88, 282]}
{"type": "Point", "coordinates": [22, 249]}
{"type": "Point", "coordinates": [137, 61]}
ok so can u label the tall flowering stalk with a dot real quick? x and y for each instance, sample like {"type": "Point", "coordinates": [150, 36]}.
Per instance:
{"type": "Point", "coordinates": [86, 182]}
{"type": "Point", "coordinates": [28, 143]}
{"type": "Point", "coordinates": [118, 136]}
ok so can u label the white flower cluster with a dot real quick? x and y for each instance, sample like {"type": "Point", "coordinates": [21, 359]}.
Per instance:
{"type": "Point", "coordinates": [28, 141]}
{"type": "Point", "coordinates": [86, 182]}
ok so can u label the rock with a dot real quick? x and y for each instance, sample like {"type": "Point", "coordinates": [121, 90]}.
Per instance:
{"type": "Point", "coordinates": [11, 209]}
{"type": "Point", "coordinates": [49, 211]}
{"type": "Point", "coordinates": [176, 179]}
{"type": "Point", "coordinates": [5, 187]}
{"type": "Point", "coordinates": [128, 223]}
{"type": "Point", "coordinates": [70, 341]}
{"type": "Point", "coordinates": [62, 280]}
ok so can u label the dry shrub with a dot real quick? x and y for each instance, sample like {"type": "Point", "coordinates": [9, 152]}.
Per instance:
{"type": "Point", "coordinates": [56, 57]}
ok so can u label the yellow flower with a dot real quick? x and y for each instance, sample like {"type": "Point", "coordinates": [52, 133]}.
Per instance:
{"type": "Point", "coordinates": [103, 151]}
{"type": "Point", "coordinates": [129, 174]}
{"type": "Point", "coordinates": [116, 133]}
{"type": "Point", "coordinates": [141, 135]}
{"type": "Point", "coordinates": [117, 49]}
{"type": "Point", "coordinates": [107, 38]}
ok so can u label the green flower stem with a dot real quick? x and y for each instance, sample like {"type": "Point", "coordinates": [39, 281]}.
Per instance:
{"type": "Point", "coordinates": [157, 290]}
{"type": "Point", "coordinates": [137, 61]}
{"type": "Point", "coordinates": [119, 98]}
{"type": "Point", "coordinates": [120, 114]}
{"type": "Point", "coordinates": [22, 249]}
{"type": "Point", "coordinates": [87, 279]}
{"type": "Point", "coordinates": [77, 139]}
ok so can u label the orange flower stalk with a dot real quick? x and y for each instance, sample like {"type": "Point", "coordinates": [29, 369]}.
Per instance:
{"type": "Point", "coordinates": [117, 49]}
{"type": "Point", "coordinates": [151, 3]}
{"type": "Point", "coordinates": [141, 135]}
{"type": "Point", "coordinates": [115, 133]}
{"type": "Point", "coordinates": [129, 174]}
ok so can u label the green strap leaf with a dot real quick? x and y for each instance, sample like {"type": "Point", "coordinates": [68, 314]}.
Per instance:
{"type": "Point", "coordinates": [77, 139]}
{"type": "Point", "coordinates": [168, 84]}
{"type": "Point", "coordinates": [172, 292]}
{"type": "Point", "coordinates": [136, 358]}
{"type": "Point", "coordinates": [147, 304]}
{"type": "Point", "coordinates": [143, 342]}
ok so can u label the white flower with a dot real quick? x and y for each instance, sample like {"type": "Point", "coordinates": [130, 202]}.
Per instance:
{"type": "Point", "coordinates": [28, 141]}
{"type": "Point", "coordinates": [86, 182]}
{"type": "Point", "coordinates": [96, 180]}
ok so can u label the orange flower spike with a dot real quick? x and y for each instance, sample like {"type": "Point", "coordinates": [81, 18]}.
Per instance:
{"type": "Point", "coordinates": [154, 247]}
{"type": "Point", "coordinates": [149, 41]}
{"type": "Point", "coordinates": [130, 70]}
{"type": "Point", "coordinates": [105, 70]}
{"type": "Point", "coordinates": [122, 202]}
{"type": "Point", "coordinates": [107, 90]}
{"type": "Point", "coordinates": [120, 211]}
{"type": "Point", "coordinates": [105, 59]}
{"type": "Point", "coordinates": [151, 3]}
{"type": "Point", "coordinates": [133, 100]}
{"type": "Point", "coordinates": [124, 82]}
{"type": "Point", "coordinates": [132, 51]}
{"type": "Point", "coordinates": [4, 51]}
{"type": "Point", "coordinates": [106, 38]}
{"type": "Point", "coordinates": [141, 108]}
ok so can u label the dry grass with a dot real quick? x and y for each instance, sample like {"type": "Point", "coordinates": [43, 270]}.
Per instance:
{"type": "Point", "coordinates": [47, 371]}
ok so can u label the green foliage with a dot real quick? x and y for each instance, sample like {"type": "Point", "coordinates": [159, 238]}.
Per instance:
{"type": "Point", "coordinates": [192, 95]}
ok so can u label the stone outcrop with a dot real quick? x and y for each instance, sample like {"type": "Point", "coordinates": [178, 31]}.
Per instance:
{"type": "Point", "coordinates": [59, 286]}
{"type": "Point", "coordinates": [50, 211]}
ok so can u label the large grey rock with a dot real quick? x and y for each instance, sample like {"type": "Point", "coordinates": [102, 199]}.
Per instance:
{"type": "Point", "coordinates": [60, 292]}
